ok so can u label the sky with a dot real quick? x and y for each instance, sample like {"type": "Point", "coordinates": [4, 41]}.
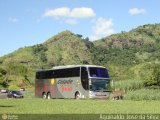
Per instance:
{"type": "Point", "coordinates": [29, 22]}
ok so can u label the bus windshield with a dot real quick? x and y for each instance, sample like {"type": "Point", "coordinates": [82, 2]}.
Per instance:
{"type": "Point", "coordinates": [98, 72]}
{"type": "Point", "coordinates": [100, 85]}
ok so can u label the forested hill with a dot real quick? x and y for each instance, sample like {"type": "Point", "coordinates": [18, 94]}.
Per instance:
{"type": "Point", "coordinates": [62, 49]}
{"type": "Point", "coordinates": [123, 54]}
{"type": "Point", "coordinates": [136, 46]}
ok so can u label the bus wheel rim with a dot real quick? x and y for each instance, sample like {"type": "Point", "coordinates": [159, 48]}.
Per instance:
{"type": "Point", "coordinates": [44, 96]}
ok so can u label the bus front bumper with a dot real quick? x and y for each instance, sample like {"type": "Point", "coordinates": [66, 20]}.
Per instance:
{"type": "Point", "coordinates": [99, 95]}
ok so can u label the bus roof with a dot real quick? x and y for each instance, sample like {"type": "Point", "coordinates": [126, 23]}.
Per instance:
{"type": "Point", "coordinates": [70, 66]}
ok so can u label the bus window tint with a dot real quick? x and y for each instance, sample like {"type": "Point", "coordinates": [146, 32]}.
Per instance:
{"type": "Point", "coordinates": [98, 72]}
{"type": "Point", "coordinates": [45, 74]}
{"type": "Point", "coordinates": [61, 73]}
{"type": "Point", "coordinates": [69, 72]}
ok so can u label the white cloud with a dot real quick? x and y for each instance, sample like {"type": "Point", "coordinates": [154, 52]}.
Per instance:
{"type": "Point", "coordinates": [58, 12]}
{"type": "Point", "coordinates": [13, 20]}
{"type": "Point", "coordinates": [135, 11]}
{"type": "Point", "coordinates": [82, 12]}
{"type": "Point", "coordinates": [103, 27]}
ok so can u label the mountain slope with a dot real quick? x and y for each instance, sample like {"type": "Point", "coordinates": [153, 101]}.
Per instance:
{"type": "Point", "coordinates": [122, 53]}
{"type": "Point", "coordinates": [136, 46]}
{"type": "Point", "coordinates": [64, 48]}
{"type": "Point", "coordinates": [67, 48]}
{"type": "Point", "coordinates": [142, 35]}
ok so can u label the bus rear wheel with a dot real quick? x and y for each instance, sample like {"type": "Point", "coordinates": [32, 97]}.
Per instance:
{"type": "Point", "coordinates": [77, 95]}
{"type": "Point", "coordinates": [44, 96]}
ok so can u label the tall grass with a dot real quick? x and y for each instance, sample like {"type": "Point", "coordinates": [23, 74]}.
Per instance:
{"type": "Point", "coordinates": [143, 94]}
{"type": "Point", "coordinates": [135, 90]}
{"type": "Point", "coordinates": [128, 85]}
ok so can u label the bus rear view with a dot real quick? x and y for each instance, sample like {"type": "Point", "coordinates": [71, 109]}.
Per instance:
{"type": "Point", "coordinates": [73, 81]}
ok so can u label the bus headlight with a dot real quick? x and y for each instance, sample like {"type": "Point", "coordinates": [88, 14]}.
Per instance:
{"type": "Point", "coordinates": [91, 94]}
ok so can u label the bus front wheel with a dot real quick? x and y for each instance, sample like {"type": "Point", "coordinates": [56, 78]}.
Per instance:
{"type": "Point", "coordinates": [44, 96]}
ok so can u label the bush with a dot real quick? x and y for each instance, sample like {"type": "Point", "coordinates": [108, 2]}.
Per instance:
{"type": "Point", "coordinates": [150, 73]}
{"type": "Point", "coordinates": [13, 87]}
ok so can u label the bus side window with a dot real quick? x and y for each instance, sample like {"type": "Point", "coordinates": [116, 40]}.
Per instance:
{"type": "Point", "coordinates": [84, 78]}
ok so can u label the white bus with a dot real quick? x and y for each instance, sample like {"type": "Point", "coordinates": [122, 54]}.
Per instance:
{"type": "Point", "coordinates": [73, 81]}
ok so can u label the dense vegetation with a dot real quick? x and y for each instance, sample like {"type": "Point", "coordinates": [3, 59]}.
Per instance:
{"type": "Point", "coordinates": [132, 55]}
{"type": "Point", "coordinates": [132, 58]}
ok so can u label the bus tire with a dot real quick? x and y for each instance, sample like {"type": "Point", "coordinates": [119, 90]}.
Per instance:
{"type": "Point", "coordinates": [77, 95]}
{"type": "Point", "coordinates": [48, 95]}
{"type": "Point", "coordinates": [44, 96]}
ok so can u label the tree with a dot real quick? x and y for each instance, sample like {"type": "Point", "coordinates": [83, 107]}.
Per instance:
{"type": "Point", "coordinates": [39, 50]}
{"type": "Point", "coordinates": [150, 73]}
{"type": "Point", "coordinates": [4, 77]}
{"type": "Point", "coordinates": [79, 35]}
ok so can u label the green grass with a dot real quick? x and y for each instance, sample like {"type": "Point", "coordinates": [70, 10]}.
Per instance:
{"type": "Point", "coordinates": [32, 105]}
{"type": "Point", "coordinates": [71, 106]}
